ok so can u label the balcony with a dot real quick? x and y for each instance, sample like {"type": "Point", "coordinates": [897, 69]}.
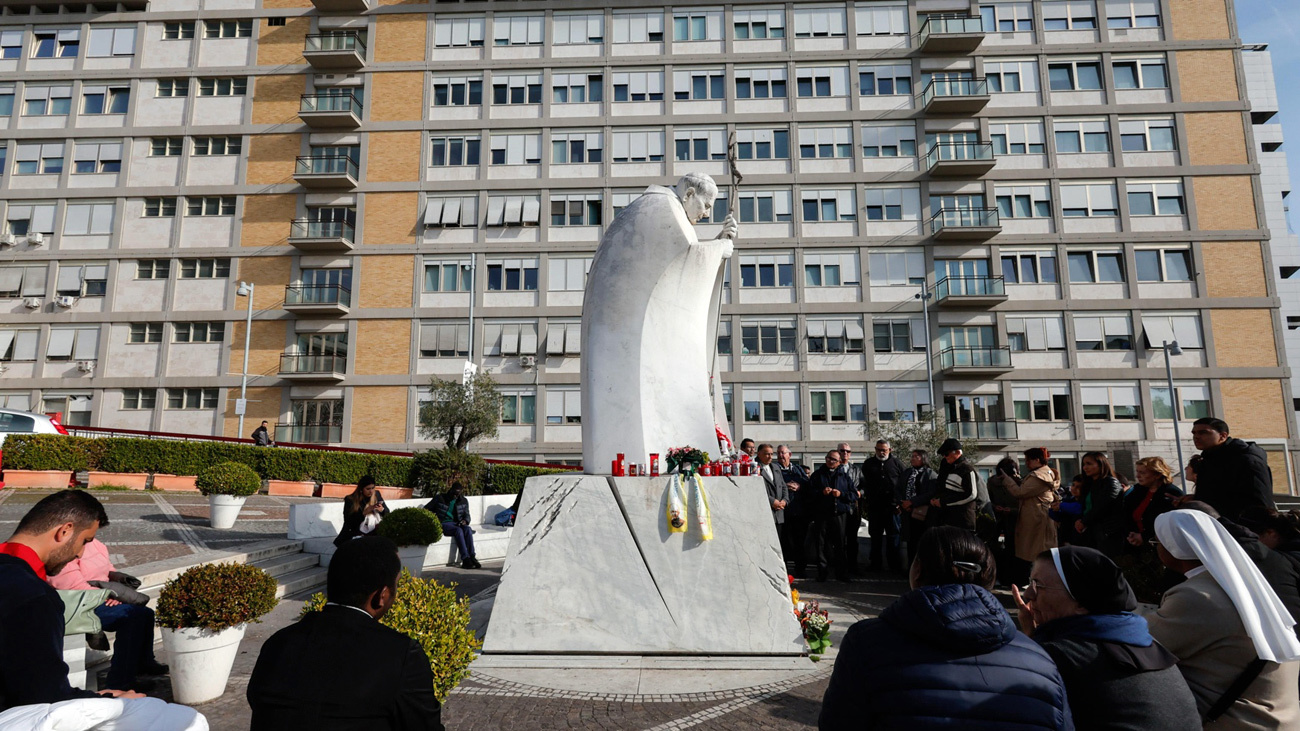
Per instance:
{"type": "Point", "coordinates": [312, 236]}
{"type": "Point", "coordinates": [960, 159]}
{"type": "Point", "coordinates": [965, 224]}
{"type": "Point", "coordinates": [326, 172]}
{"type": "Point", "coordinates": [951, 34]}
{"type": "Point", "coordinates": [296, 367]}
{"type": "Point", "coordinates": [985, 432]}
{"type": "Point", "coordinates": [341, 50]}
{"type": "Point", "coordinates": [955, 96]}
{"type": "Point", "coordinates": [975, 361]}
{"type": "Point", "coordinates": [330, 111]}
{"type": "Point", "coordinates": [325, 299]}
{"type": "Point", "coordinates": [309, 433]}
{"type": "Point", "coordinates": [970, 291]}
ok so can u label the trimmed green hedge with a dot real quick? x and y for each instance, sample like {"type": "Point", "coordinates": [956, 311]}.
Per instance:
{"type": "Point", "coordinates": [509, 479]}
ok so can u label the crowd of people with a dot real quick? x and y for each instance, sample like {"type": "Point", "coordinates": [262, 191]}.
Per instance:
{"type": "Point", "coordinates": [365, 508]}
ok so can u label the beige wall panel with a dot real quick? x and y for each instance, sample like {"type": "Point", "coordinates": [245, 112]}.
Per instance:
{"type": "Point", "coordinates": [283, 44]}
{"type": "Point", "coordinates": [263, 405]}
{"type": "Point", "coordinates": [276, 99]}
{"type": "Point", "coordinates": [394, 157]}
{"type": "Point", "coordinates": [1243, 338]}
{"type": "Point", "coordinates": [390, 218]}
{"type": "Point", "coordinates": [379, 414]}
{"type": "Point", "coordinates": [1254, 409]}
{"type": "Point", "coordinates": [400, 37]}
{"type": "Point", "coordinates": [1216, 139]}
{"type": "Point", "coordinates": [1234, 269]}
{"type": "Point", "coordinates": [397, 97]}
{"type": "Point", "coordinates": [1277, 463]}
{"type": "Point", "coordinates": [270, 274]}
{"type": "Point", "coordinates": [268, 344]}
{"type": "Point", "coordinates": [1199, 20]}
{"type": "Point", "coordinates": [267, 218]}
{"type": "Point", "coordinates": [386, 282]}
{"type": "Point", "coordinates": [1225, 203]}
{"type": "Point", "coordinates": [383, 348]}
{"type": "Point", "coordinates": [1207, 76]}
{"type": "Point", "coordinates": [271, 158]}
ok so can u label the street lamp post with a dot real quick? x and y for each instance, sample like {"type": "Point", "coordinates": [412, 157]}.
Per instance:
{"type": "Point", "coordinates": [925, 296]}
{"type": "Point", "coordinates": [245, 290]}
{"type": "Point", "coordinates": [1171, 349]}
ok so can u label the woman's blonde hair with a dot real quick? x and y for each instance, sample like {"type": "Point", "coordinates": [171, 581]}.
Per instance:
{"type": "Point", "coordinates": [1159, 466]}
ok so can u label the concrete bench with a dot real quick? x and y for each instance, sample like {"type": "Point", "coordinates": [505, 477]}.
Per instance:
{"type": "Point", "coordinates": [318, 524]}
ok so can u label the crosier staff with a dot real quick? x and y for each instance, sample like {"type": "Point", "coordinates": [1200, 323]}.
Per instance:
{"type": "Point", "coordinates": [725, 442]}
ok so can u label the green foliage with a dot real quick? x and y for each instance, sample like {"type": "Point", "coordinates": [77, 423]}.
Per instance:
{"type": "Point", "coordinates": [50, 452]}
{"type": "Point", "coordinates": [436, 618]}
{"type": "Point", "coordinates": [228, 478]}
{"type": "Point", "coordinates": [928, 434]}
{"type": "Point", "coordinates": [458, 414]}
{"type": "Point", "coordinates": [509, 479]}
{"type": "Point", "coordinates": [410, 527]}
{"type": "Point", "coordinates": [216, 597]}
{"type": "Point", "coordinates": [436, 469]}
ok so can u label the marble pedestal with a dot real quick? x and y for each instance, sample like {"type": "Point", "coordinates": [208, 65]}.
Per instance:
{"type": "Point", "coordinates": [593, 570]}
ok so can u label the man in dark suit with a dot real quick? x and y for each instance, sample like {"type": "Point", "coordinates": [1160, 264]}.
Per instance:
{"type": "Point", "coordinates": [340, 669]}
{"type": "Point", "coordinates": [880, 475]}
{"type": "Point", "coordinates": [778, 495]}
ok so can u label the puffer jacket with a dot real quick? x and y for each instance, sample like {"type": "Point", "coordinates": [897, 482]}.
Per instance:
{"type": "Point", "coordinates": [445, 506]}
{"type": "Point", "coordinates": [943, 657]}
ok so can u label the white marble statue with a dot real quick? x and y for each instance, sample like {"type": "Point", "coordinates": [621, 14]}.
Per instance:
{"type": "Point", "coordinates": [649, 320]}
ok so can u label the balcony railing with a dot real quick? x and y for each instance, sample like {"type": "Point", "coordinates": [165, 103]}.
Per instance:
{"type": "Point", "coordinates": [956, 93]}
{"type": "Point", "coordinates": [980, 358]}
{"type": "Point", "coordinates": [317, 294]}
{"type": "Point", "coordinates": [329, 42]}
{"type": "Point", "coordinates": [305, 228]}
{"type": "Point", "coordinates": [978, 156]}
{"type": "Point", "coordinates": [957, 219]}
{"type": "Point", "coordinates": [326, 165]}
{"type": "Point", "coordinates": [296, 364]}
{"type": "Point", "coordinates": [941, 32]}
{"type": "Point", "coordinates": [330, 110]}
{"type": "Point", "coordinates": [309, 433]}
{"type": "Point", "coordinates": [969, 287]}
{"type": "Point", "coordinates": [989, 431]}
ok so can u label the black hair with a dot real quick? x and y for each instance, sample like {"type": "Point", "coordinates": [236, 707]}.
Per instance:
{"type": "Point", "coordinates": [950, 555]}
{"type": "Point", "coordinates": [745, 441]}
{"type": "Point", "coordinates": [922, 453]}
{"type": "Point", "coordinates": [65, 506]}
{"type": "Point", "coordinates": [1104, 469]}
{"type": "Point", "coordinates": [881, 441]}
{"type": "Point", "coordinates": [361, 567]}
{"type": "Point", "coordinates": [1218, 425]}
{"type": "Point", "coordinates": [765, 444]}
{"type": "Point", "coordinates": [1008, 467]}
{"type": "Point", "coordinates": [1202, 506]}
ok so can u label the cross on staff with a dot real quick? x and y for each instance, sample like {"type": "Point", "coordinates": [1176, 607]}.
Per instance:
{"type": "Point", "coordinates": [733, 198]}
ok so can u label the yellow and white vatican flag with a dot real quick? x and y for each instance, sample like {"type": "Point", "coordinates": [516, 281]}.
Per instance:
{"type": "Point", "coordinates": [701, 507]}
{"type": "Point", "coordinates": [677, 504]}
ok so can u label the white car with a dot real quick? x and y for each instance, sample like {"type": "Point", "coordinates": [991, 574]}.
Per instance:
{"type": "Point", "coordinates": [25, 422]}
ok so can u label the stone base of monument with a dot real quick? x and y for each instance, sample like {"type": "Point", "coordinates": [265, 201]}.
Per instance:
{"type": "Point", "coordinates": [594, 571]}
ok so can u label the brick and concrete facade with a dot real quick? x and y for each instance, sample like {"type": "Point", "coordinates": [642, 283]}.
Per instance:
{"type": "Point", "coordinates": [1072, 183]}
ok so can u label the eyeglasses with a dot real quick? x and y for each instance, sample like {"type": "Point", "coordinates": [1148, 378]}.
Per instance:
{"type": "Point", "coordinates": [1036, 586]}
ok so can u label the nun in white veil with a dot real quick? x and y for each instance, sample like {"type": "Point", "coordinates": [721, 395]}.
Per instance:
{"type": "Point", "coordinates": [1234, 639]}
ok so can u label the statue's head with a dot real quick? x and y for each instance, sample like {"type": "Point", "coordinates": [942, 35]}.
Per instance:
{"type": "Point", "coordinates": [696, 192]}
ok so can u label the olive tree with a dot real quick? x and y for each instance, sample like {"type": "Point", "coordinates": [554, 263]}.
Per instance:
{"type": "Point", "coordinates": [458, 413]}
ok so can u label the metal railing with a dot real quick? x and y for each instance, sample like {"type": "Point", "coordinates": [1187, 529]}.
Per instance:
{"type": "Point", "coordinates": [964, 218]}
{"type": "Point", "coordinates": [958, 152]}
{"type": "Point", "coordinates": [987, 430]}
{"type": "Point", "coordinates": [308, 433]}
{"type": "Point", "coordinates": [330, 103]}
{"type": "Point", "coordinates": [326, 165]}
{"type": "Point", "coordinates": [949, 88]}
{"type": "Point", "coordinates": [969, 287]}
{"type": "Point", "coordinates": [344, 41]}
{"type": "Point", "coordinates": [295, 363]}
{"type": "Point", "coordinates": [937, 25]}
{"type": "Point", "coordinates": [305, 228]}
{"type": "Point", "coordinates": [317, 294]}
{"type": "Point", "coordinates": [974, 358]}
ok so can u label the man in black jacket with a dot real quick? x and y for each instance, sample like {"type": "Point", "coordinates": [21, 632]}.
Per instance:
{"type": "Point", "coordinates": [796, 510]}
{"type": "Point", "coordinates": [956, 492]}
{"type": "Point", "coordinates": [834, 496]}
{"type": "Point", "coordinates": [1234, 474]}
{"type": "Point", "coordinates": [339, 668]}
{"type": "Point", "coordinates": [880, 475]}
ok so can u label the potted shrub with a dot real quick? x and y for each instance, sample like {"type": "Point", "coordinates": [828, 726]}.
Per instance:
{"type": "Point", "coordinates": [412, 529]}
{"type": "Point", "coordinates": [203, 614]}
{"type": "Point", "coordinates": [227, 485]}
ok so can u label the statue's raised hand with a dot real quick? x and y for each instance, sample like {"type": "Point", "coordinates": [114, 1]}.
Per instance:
{"type": "Point", "coordinates": [729, 227]}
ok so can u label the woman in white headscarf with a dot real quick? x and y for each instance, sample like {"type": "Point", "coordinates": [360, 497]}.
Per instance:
{"type": "Point", "coordinates": [1231, 633]}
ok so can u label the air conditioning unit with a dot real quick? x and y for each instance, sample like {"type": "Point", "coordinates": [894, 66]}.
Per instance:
{"type": "Point", "coordinates": [527, 361]}
{"type": "Point", "coordinates": [86, 366]}
{"type": "Point", "coordinates": [32, 303]}
{"type": "Point", "coordinates": [35, 238]}
{"type": "Point", "coordinates": [66, 300]}
{"type": "Point", "coordinates": [8, 239]}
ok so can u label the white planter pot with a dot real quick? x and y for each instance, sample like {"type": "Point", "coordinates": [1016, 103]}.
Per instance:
{"type": "Point", "coordinates": [224, 510]}
{"type": "Point", "coordinates": [200, 661]}
{"type": "Point", "coordinates": [413, 558]}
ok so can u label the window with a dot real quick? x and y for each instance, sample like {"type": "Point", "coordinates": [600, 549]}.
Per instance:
{"type": "Point", "coordinates": [1028, 267]}
{"type": "Point", "coordinates": [40, 101]}
{"type": "Point", "coordinates": [882, 19]}
{"type": "Point", "coordinates": [896, 268]}
{"type": "Point", "coordinates": [210, 206]}
{"type": "Point", "coordinates": [1163, 265]}
{"type": "Point", "coordinates": [37, 218]}
{"type": "Point", "coordinates": [276, 22]}
{"type": "Point", "coordinates": [1069, 15]}
{"type": "Point", "coordinates": [638, 86]}
{"type": "Point", "coordinates": [576, 147]}
{"type": "Point", "coordinates": [1193, 402]}
{"type": "Point", "coordinates": [447, 276]}
{"type": "Point", "coordinates": [638, 145]}
{"type": "Point", "coordinates": [1011, 76]}
{"type": "Point", "coordinates": [457, 91]}
{"type": "Point", "coordinates": [84, 219]}
{"type": "Point", "coordinates": [512, 275]}
{"type": "Point", "coordinates": [565, 338]}
{"type": "Point", "coordinates": [205, 268]}
{"type": "Point", "coordinates": [145, 332]}
{"type": "Point", "coordinates": [828, 205]}
{"type": "Point", "coordinates": [444, 339]}
{"type": "Point", "coordinates": [517, 30]}
{"type": "Point", "coordinates": [227, 29]}
{"type": "Point", "coordinates": [1110, 403]}
{"type": "Point", "coordinates": [223, 87]}
{"type": "Point", "coordinates": [510, 338]}
{"type": "Point", "coordinates": [11, 43]}
{"type": "Point", "coordinates": [1140, 73]}
{"type": "Point", "coordinates": [724, 337]}
{"type": "Point", "coordinates": [458, 32]}
{"type": "Point", "coordinates": [771, 405]}
{"type": "Point", "coordinates": [108, 42]}
{"type": "Point", "coordinates": [517, 89]}
{"type": "Point", "coordinates": [638, 27]}
{"type": "Point", "coordinates": [576, 209]}
{"type": "Point", "coordinates": [825, 142]}
{"type": "Point", "coordinates": [69, 343]}
{"type": "Point", "coordinates": [763, 144]}
{"type": "Point", "coordinates": [699, 25]}
{"type": "Point", "coordinates": [6, 101]}
{"type": "Point", "coordinates": [767, 270]}
{"type": "Point", "coordinates": [17, 281]}
{"type": "Point", "coordinates": [577, 88]}
{"type": "Point", "coordinates": [172, 88]}
{"type": "Point", "coordinates": [820, 22]}
{"type": "Point", "coordinates": [56, 43]}
{"type": "Point", "coordinates": [758, 24]}
{"type": "Point", "coordinates": [449, 212]}
{"type": "Point", "coordinates": [18, 345]}
{"type": "Point", "coordinates": [4, 154]}
{"type": "Point", "coordinates": [563, 406]}
{"type": "Point", "coordinates": [1147, 135]}
{"type": "Point", "coordinates": [700, 144]}
{"type": "Point", "coordinates": [575, 28]}
{"type": "Point", "coordinates": [1095, 266]}
{"type": "Point", "coordinates": [897, 334]}
{"type": "Point", "coordinates": [1035, 333]}
{"type": "Point", "coordinates": [880, 80]}
{"type": "Point", "coordinates": [835, 335]}
{"type": "Point", "coordinates": [76, 408]}
{"type": "Point", "coordinates": [178, 31]}
{"type": "Point", "coordinates": [198, 332]}
{"type": "Point", "coordinates": [699, 84]}
{"type": "Point", "coordinates": [160, 207]}
{"type": "Point", "coordinates": [139, 398]}
{"type": "Point", "coordinates": [1017, 138]}
{"type": "Point", "coordinates": [1089, 200]}
{"type": "Point", "coordinates": [1007, 17]}
{"type": "Point", "coordinates": [86, 280]}
{"type": "Point", "coordinates": [838, 404]}
{"type": "Point", "coordinates": [902, 403]}
{"type": "Point", "coordinates": [830, 269]}
{"type": "Point", "coordinates": [1024, 201]}
{"type": "Point", "coordinates": [1181, 327]}
{"type": "Point", "coordinates": [152, 269]}
{"type": "Point", "coordinates": [567, 274]}
{"type": "Point", "coordinates": [823, 81]}
{"type": "Point", "coordinates": [1041, 402]}
{"type": "Point", "coordinates": [1082, 135]}
{"type": "Point", "coordinates": [764, 206]}
{"type": "Point", "coordinates": [97, 157]}
{"type": "Point", "coordinates": [518, 408]}
{"type": "Point", "coordinates": [1155, 198]}
{"type": "Point", "coordinates": [105, 99]}
{"type": "Point", "coordinates": [893, 140]}
{"type": "Point", "coordinates": [218, 145]}
{"type": "Point", "coordinates": [522, 149]}
{"type": "Point", "coordinates": [455, 151]}
{"type": "Point", "coordinates": [892, 204]}
{"type": "Point", "coordinates": [317, 413]}
{"type": "Point", "coordinates": [192, 398]}
{"type": "Point", "coordinates": [514, 210]}
{"type": "Point", "coordinates": [761, 83]}
{"type": "Point", "coordinates": [1132, 13]}
{"type": "Point", "coordinates": [1098, 331]}
{"type": "Point", "coordinates": [1074, 76]}
{"type": "Point", "coordinates": [166, 146]}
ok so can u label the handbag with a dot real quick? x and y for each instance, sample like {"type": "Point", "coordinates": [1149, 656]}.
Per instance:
{"type": "Point", "coordinates": [369, 523]}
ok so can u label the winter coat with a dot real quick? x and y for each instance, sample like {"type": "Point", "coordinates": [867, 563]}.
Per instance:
{"type": "Point", "coordinates": [449, 509]}
{"type": "Point", "coordinates": [1035, 530]}
{"type": "Point", "coordinates": [92, 566]}
{"type": "Point", "coordinates": [352, 521]}
{"type": "Point", "coordinates": [943, 657]}
{"type": "Point", "coordinates": [1104, 516]}
{"type": "Point", "coordinates": [1002, 491]}
{"type": "Point", "coordinates": [958, 492]}
{"type": "Point", "coordinates": [854, 473]}
{"type": "Point", "coordinates": [879, 476]}
{"type": "Point", "coordinates": [1234, 476]}
{"type": "Point", "coordinates": [1161, 503]}
{"type": "Point", "coordinates": [822, 505]}
{"type": "Point", "coordinates": [797, 508]}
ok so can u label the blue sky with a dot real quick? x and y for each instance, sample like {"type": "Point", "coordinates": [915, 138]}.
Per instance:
{"type": "Point", "coordinates": [1277, 23]}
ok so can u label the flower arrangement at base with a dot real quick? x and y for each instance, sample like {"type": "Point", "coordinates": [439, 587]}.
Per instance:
{"type": "Point", "coordinates": [686, 460]}
{"type": "Point", "coordinates": [816, 625]}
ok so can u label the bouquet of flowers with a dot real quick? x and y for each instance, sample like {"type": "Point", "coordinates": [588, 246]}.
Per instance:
{"type": "Point", "coordinates": [816, 624]}
{"type": "Point", "coordinates": [686, 460]}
